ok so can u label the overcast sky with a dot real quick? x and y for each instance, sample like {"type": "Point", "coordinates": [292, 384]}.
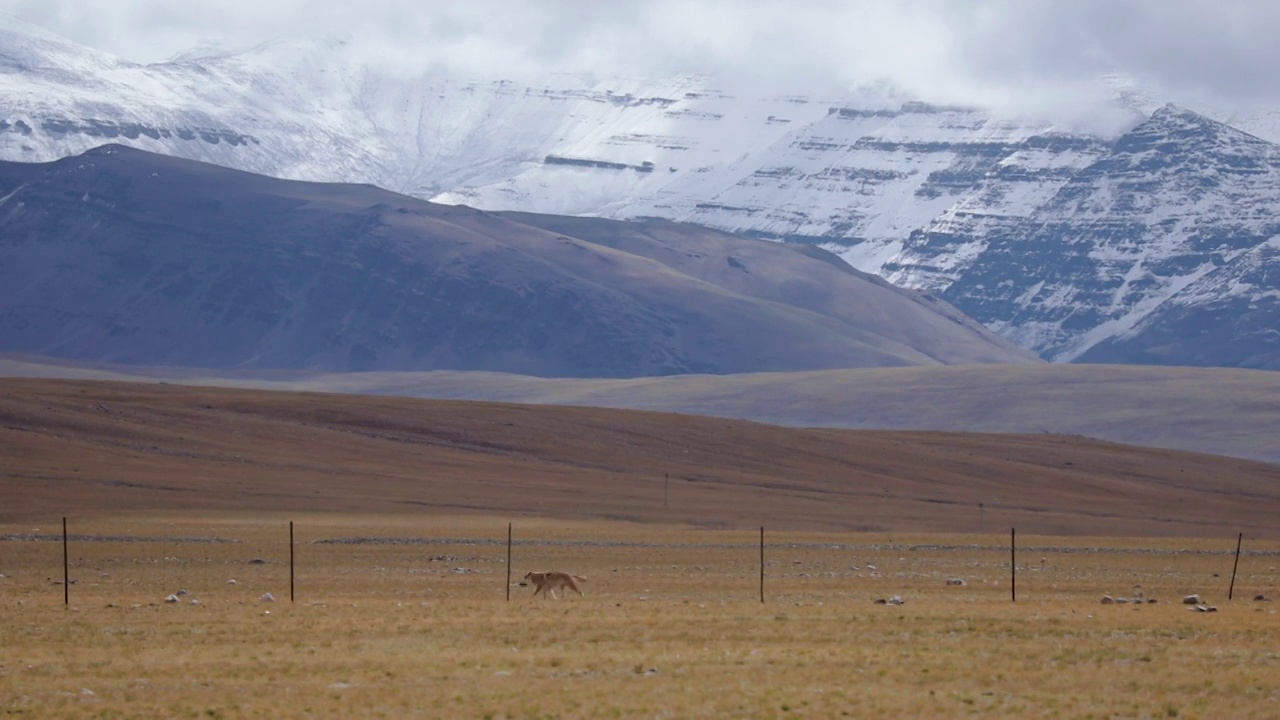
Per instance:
{"type": "Point", "coordinates": [946, 50]}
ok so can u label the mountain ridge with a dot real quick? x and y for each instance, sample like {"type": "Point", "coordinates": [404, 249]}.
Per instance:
{"type": "Point", "coordinates": [127, 256]}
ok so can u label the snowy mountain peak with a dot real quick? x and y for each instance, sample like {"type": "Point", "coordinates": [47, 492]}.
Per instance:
{"type": "Point", "coordinates": [1150, 221]}
{"type": "Point", "coordinates": [28, 48]}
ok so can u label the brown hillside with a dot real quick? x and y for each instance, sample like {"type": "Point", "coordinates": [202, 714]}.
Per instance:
{"type": "Point", "coordinates": [77, 447]}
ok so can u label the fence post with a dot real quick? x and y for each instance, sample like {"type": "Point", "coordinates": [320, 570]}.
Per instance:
{"type": "Point", "coordinates": [290, 561]}
{"type": "Point", "coordinates": [761, 563]}
{"type": "Point", "coordinates": [66, 572]}
{"type": "Point", "coordinates": [1231, 590]}
{"type": "Point", "coordinates": [508, 562]}
{"type": "Point", "coordinates": [1013, 564]}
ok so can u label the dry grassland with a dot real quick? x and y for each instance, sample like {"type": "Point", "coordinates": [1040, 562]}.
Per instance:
{"type": "Point", "coordinates": [671, 625]}
{"type": "Point", "coordinates": [94, 448]}
{"type": "Point", "coordinates": [1227, 411]}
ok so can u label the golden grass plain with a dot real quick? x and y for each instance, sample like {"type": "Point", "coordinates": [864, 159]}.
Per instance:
{"type": "Point", "coordinates": [671, 625]}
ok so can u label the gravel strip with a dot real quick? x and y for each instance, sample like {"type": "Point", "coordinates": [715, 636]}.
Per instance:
{"type": "Point", "coordinates": [872, 547]}
{"type": "Point", "coordinates": [43, 537]}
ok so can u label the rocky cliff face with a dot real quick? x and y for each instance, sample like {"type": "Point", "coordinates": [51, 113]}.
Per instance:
{"type": "Point", "coordinates": [1160, 250]}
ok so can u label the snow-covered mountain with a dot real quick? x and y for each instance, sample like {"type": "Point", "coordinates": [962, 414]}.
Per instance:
{"type": "Point", "coordinates": [1105, 243]}
{"type": "Point", "coordinates": [1163, 249]}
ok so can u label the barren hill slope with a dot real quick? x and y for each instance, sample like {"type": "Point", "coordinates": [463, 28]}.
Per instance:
{"type": "Point", "coordinates": [86, 448]}
{"type": "Point", "coordinates": [125, 256]}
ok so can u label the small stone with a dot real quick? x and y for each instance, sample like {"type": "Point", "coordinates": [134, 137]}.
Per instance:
{"type": "Point", "coordinates": [956, 581]}
{"type": "Point", "coordinates": [257, 561]}
{"type": "Point", "coordinates": [182, 592]}
{"type": "Point", "coordinates": [171, 599]}
{"type": "Point", "coordinates": [895, 600]}
{"type": "Point", "coordinates": [1107, 600]}
{"type": "Point", "coordinates": [267, 597]}
{"type": "Point", "coordinates": [1191, 600]}
{"type": "Point", "coordinates": [231, 582]}
{"type": "Point", "coordinates": [1260, 598]}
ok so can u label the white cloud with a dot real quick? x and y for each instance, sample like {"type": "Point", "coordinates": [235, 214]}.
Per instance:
{"type": "Point", "coordinates": [1041, 52]}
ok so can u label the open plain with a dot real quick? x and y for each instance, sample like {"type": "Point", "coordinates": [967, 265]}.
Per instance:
{"type": "Point", "coordinates": [399, 603]}
{"type": "Point", "coordinates": [416, 624]}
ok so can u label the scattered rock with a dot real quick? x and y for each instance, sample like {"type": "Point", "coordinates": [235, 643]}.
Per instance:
{"type": "Point", "coordinates": [463, 570]}
{"type": "Point", "coordinates": [231, 581]}
{"type": "Point", "coordinates": [891, 600]}
{"type": "Point", "coordinates": [195, 601]}
{"type": "Point", "coordinates": [956, 581]}
{"type": "Point", "coordinates": [1191, 600]}
{"type": "Point", "coordinates": [1204, 608]}
{"type": "Point", "coordinates": [1256, 598]}
{"type": "Point", "coordinates": [1108, 600]}
{"type": "Point", "coordinates": [171, 599]}
{"type": "Point", "coordinates": [267, 597]}
{"type": "Point", "coordinates": [181, 592]}
{"type": "Point", "coordinates": [257, 561]}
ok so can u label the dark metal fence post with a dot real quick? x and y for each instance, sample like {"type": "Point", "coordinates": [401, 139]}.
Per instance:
{"type": "Point", "coordinates": [1231, 590]}
{"type": "Point", "coordinates": [66, 572]}
{"type": "Point", "coordinates": [290, 561]}
{"type": "Point", "coordinates": [1013, 564]}
{"type": "Point", "coordinates": [761, 563]}
{"type": "Point", "coordinates": [508, 562]}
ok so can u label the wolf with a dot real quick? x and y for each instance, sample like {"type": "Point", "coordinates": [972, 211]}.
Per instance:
{"type": "Point", "coordinates": [551, 581]}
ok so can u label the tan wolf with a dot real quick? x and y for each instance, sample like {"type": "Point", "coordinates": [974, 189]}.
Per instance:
{"type": "Point", "coordinates": [550, 581]}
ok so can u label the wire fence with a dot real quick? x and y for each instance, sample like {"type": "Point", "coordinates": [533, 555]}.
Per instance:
{"type": "Point", "coordinates": [194, 562]}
